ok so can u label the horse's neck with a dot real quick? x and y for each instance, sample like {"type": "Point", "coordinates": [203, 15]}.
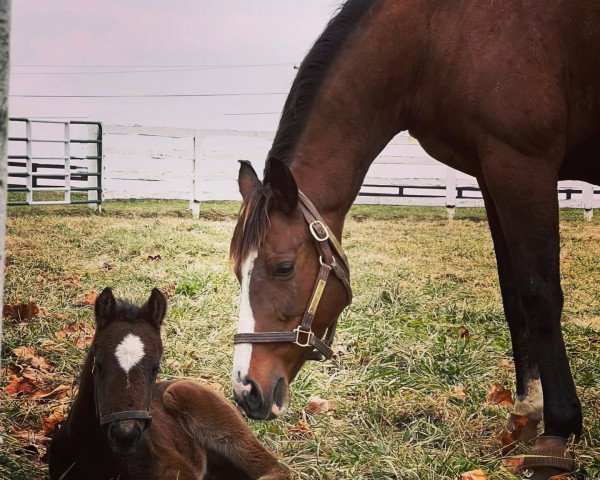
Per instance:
{"type": "Point", "coordinates": [366, 98]}
{"type": "Point", "coordinates": [82, 417]}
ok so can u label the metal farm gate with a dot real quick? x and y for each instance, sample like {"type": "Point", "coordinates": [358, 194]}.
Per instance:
{"type": "Point", "coordinates": [54, 162]}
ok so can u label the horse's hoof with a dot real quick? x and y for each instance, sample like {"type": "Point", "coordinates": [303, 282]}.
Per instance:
{"type": "Point", "coordinates": [549, 459]}
{"type": "Point", "coordinates": [518, 429]}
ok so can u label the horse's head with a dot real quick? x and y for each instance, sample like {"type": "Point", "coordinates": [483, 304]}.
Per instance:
{"type": "Point", "coordinates": [126, 355]}
{"type": "Point", "coordinates": [283, 253]}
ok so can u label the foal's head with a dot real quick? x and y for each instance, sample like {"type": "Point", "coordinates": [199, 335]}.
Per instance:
{"type": "Point", "coordinates": [276, 262]}
{"type": "Point", "coordinates": [126, 354]}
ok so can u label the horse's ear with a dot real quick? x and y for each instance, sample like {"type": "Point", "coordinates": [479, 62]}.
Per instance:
{"type": "Point", "coordinates": [283, 185]}
{"type": "Point", "coordinates": [104, 308]}
{"type": "Point", "coordinates": [247, 178]}
{"type": "Point", "coordinates": [155, 308]}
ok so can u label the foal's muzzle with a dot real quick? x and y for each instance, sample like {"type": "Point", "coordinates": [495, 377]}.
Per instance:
{"type": "Point", "coordinates": [124, 437]}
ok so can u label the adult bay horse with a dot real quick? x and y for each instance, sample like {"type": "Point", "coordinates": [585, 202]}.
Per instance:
{"type": "Point", "coordinates": [506, 91]}
{"type": "Point", "coordinates": [123, 425]}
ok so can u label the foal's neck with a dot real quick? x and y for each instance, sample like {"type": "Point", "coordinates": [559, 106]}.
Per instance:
{"type": "Point", "coordinates": [364, 100]}
{"type": "Point", "coordinates": [82, 417]}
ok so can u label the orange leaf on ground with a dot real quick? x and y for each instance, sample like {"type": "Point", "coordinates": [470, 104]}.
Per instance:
{"type": "Point", "coordinates": [474, 475]}
{"type": "Point", "coordinates": [301, 429]}
{"type": "Point", "coordinates": [459, 392]}
{"type": "Point", "coordinates": [76, 280]}
{"type": "Point", "coordinates": [21, 386]}
{"type": "Point", "coordinates": [24, 353]}
{"type": "Point", "coordinates": [518, 429]}
{"type": "Point", "coordinates": [75, 330]}
{"type": "Point", "coordinates": [317, 405]}
{"type": "Point", "coordinates": [498, 395]}
{"type": "Point", "coordinates": [21, 311]}
{"type": "Point", "coordinates": [49, 423]}
{"type": "Point", "coordinates": [85, 300]}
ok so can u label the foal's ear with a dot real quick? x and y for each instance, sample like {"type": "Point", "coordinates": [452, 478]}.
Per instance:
{"type": "Point", "coordinates": [104, 308]}
{"type": "Point", "coordinates": [247, 178]}
{"type": "Point", "coordinates": [155, 308]}
{"type": "Point", "coordinates": [283, 185]}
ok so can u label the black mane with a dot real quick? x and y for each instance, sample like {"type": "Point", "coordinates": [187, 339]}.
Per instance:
{"type": "Point", "coordinates": [311, 73]}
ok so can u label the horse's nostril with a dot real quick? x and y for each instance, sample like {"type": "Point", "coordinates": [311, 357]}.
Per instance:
{"type": "Point", "coordinates": [251, 395]}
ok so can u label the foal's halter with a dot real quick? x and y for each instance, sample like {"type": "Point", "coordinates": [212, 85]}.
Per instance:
{"type": "Point", "coordinates": [119, 416]}
{"type": "Point", "coordinates": [331, 258]}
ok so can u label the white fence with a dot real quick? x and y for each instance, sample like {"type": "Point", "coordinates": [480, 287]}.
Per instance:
{"type": "Point", "coordinates": [199, 165]}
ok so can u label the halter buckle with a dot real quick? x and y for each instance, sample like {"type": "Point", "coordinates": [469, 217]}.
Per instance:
{"type": "Point", "coordinates": [309, 337]}
{"type": "Point", "coordinates": [315, 234]}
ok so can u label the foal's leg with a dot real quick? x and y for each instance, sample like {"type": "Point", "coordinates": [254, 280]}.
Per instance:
{"type": "Point", "coordinates": [529, 401]}
{"type": "Point", "coordinates": [217, 425]}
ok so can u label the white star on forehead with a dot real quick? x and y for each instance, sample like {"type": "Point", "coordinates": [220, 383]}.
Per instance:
{"type": "Point", "coordinates": [129, 352]}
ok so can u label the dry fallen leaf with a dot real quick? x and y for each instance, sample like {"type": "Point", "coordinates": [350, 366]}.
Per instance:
{"type": "Point", "coordinates": [24, 353]}
{"type": "Point", "coordinates": [79, 332]}
{"type": "Point", "coordinates": [21, 311]}
{"type": "Point", "coordinates": [317, 405]}
{"type": "Point", "coordinates": [463, 332]}
{"type": "Point", "coordinates": [459, 392]}
{"type": "Point", "coordinates": [20, 386]}
{"type": "Point", "coordinates": [85, 300]}
{"type": "Point", "coordinates": [519, 429]}
{"type": "Point", "coordinates": [301, 429]}
{"type": "Point", "coordinates": [49, 423]}
{"type": "Point", "coordinates": [75, 280]}
{"type": "Point", "coordinates": [154, 257]}
{"type": "Point", "coordinates": [339, 351]}
{"type": "Point", "coordinates": [498, 395]}
{"type": "Point", "coordinates": [474, 475]}
{"type": "Point", "coordinates": [41, 363]}
{"type": "Point", "coordinates": [59, 393]}
{"type": "Point", "coordinates": [168, 290]}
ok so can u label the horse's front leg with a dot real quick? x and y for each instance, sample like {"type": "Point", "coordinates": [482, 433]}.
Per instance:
{"type": "Point", "coordinates": [523, 189]}
{"type": "Point", "coordinates": [529, 398]}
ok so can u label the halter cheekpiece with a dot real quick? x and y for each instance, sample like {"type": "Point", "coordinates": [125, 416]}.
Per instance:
{"type": "Point", "coordinates": [331, 258]}
{"type": "Point", "coordinates": [119, 416]}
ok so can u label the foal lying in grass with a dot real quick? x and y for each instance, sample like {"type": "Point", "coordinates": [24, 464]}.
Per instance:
{"type": "Point", "coordinates": [124, 425]}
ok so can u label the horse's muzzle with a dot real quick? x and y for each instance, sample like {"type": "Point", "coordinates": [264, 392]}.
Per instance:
{"type": "Point", "coordinates": [124, 437]}
{"type": "Point", "coordinates": [258, 406]}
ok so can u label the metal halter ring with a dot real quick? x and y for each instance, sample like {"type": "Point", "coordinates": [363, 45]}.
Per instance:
{"type": "Point", "coordinates": [309, 337]}
{"type": "Point", "coordinates": [311, 227]}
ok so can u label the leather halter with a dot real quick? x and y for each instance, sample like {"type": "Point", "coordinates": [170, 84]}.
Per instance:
{"type": "Point", "coordinates": [119, 416]}
{"type": "Point", "coordinates": [331, 258]}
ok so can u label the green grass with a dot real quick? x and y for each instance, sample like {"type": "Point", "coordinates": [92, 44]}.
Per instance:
{"type": "Point", "coordinates": [417, 279]}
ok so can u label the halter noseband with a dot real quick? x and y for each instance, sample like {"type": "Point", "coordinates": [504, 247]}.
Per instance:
{"type": "Point", "coordinates": [331, 258]}
{"type": "Point", "coordinates": [119, 416]}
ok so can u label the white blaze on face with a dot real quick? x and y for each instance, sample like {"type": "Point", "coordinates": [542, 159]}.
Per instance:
{"type": "Point", "coordinates": [242, 353]}
{"type": "Point", "coordinates": [129, 352]}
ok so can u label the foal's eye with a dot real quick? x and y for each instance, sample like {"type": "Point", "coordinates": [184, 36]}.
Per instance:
{"type": "Point", "coordinates": [284, 269]}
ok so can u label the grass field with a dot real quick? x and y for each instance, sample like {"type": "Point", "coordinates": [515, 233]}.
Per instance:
{"type": "Point", "coordinates": [408, 400]}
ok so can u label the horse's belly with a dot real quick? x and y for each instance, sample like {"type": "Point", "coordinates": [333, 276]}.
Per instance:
{"type": "Point", "coordinates": [583, 162]}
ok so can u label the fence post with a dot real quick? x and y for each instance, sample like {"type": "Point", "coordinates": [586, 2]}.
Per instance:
{"type": "Point", "coordinates": [4, 69]}
{"type": "Point", "coordinates": [94, 150]}
{"type": "Point", "coordinates": [196, 178]}
{"type": "Point", "coordinates": [450, 192]}
{"type": "Point", "coordinates": [588, 197]}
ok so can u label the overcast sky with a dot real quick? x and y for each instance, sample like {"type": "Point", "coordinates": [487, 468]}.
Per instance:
{"type": "Point", "coordinates": [115, 35]}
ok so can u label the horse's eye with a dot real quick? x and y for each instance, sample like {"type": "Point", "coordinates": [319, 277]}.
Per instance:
{"type": "Point", "coordinates": [284, 269]}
